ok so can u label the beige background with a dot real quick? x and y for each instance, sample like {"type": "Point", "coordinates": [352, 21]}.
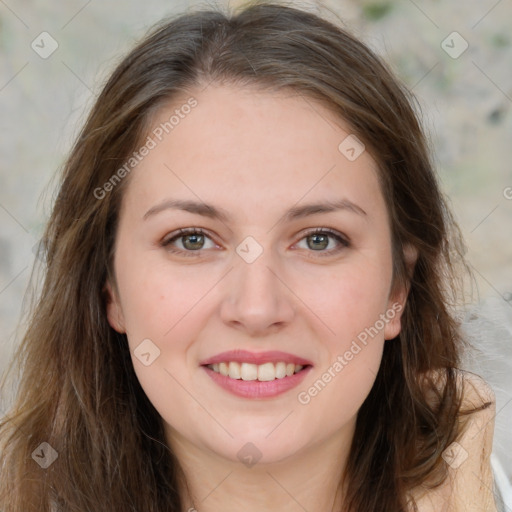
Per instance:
{"type": "Point", "coordinates": [467, 104]}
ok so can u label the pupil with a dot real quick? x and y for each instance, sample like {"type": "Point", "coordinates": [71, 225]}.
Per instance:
{"type": "Point", "coordinates": [196, 241]}
{"type": "Point", "coordinates": [323, 238]}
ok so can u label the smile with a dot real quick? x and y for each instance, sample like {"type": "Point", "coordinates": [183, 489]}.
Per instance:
{"type": "Point", "coordinates": [254, 387]}
{"type": "Point", "coordinates": [250, 372]}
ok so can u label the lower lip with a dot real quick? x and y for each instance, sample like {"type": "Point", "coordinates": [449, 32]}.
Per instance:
{"type": "Point", "coordinates": [256, 388]}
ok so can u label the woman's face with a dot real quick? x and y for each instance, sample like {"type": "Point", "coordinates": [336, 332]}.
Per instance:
{"type": "Point", "coordinates": [257, 173]}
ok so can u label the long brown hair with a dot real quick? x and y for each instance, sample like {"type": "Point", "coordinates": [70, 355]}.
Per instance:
{"type": "Point", "coordinates": [78, 391]}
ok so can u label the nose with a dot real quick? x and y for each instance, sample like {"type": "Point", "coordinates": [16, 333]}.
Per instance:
{"type": "Point", "coordinates": [258, 301]}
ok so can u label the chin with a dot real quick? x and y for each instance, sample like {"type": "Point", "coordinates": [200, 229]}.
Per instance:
{"type": "Point", "coordinates": [257, 449]}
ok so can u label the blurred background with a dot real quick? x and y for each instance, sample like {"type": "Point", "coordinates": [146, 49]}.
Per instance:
{"type": "Point", "coordinates": [455, 56]}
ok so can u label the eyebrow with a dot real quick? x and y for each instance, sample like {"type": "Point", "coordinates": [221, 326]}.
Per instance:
{"type": "Point", "coordinates": [213, 212]}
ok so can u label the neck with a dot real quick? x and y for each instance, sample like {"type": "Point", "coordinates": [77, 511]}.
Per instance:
{"type": "Point", "coordinates": [309, 479]}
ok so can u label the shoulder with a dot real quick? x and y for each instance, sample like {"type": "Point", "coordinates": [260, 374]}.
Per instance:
{"type": "Point", "coordinates": [476, 391]}
{"type": "Point", "coordinates": [469, 483]}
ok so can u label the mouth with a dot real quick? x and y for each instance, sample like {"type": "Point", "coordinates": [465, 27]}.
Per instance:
{"type": "Point", "coordinates": [265, 372]}
{"type": "Point", "coordinates": [256, 375]}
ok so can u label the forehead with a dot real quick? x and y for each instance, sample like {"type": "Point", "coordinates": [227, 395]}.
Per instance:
{"type": "Point", "coordinates": [255, 147]}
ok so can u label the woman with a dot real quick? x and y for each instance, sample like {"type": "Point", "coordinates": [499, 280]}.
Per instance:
{"type": "Point", "coordinates": [248, 289]}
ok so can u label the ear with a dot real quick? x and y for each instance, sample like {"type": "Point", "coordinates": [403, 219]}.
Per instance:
{"type": "Point", "coordinates": [114, 311]}
{"type": "Point", "coordinates": [398, 297]}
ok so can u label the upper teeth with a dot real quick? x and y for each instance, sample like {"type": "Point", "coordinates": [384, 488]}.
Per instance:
{"type": "Point", "coordinates": [263, 372]}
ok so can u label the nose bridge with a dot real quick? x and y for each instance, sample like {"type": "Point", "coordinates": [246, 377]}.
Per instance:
{"type": "Point", "coordinates": [256, 281]}
{"type": "Point", "coordinates": [256, 299]}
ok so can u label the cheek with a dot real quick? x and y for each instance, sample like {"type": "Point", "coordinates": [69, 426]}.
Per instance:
{"type": "Point", "coordinates": [166, 308]}
{"type": "Point", "coordinates": [347, 300]}
{"type": "Point", "coordinates": [343, 380]}
{"type": "Point", "coordinates": [157, 297]}
{"type": "Point", "coordinates": [352, 304]}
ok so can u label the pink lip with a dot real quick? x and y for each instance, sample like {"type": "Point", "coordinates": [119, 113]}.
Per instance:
{"type": "Point", "coordinates": [255, 388]}
{"type": "Point", "coordinates": [244, 356]}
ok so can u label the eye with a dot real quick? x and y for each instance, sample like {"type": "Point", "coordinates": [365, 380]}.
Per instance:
{"type": "Point", "coordinates": [190, 239]}
{"type": "Point", "coordinates": [320, 239]}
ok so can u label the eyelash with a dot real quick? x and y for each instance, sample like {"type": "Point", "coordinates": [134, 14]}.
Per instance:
{"type": "Point", "coordinates": [343, 241]}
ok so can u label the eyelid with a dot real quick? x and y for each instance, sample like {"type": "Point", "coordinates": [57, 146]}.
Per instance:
{"type": "Point", "coordinates": [184, 231]}
{"type": "Point", "coordinates": [330, 231]}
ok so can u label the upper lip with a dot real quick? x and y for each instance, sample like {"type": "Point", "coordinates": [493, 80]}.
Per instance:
{"type": "Point", "coordinates": [244, 356]}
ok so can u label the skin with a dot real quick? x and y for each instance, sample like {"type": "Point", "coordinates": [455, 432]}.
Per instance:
{"type": "Point", "coordinates": [256, 155]}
